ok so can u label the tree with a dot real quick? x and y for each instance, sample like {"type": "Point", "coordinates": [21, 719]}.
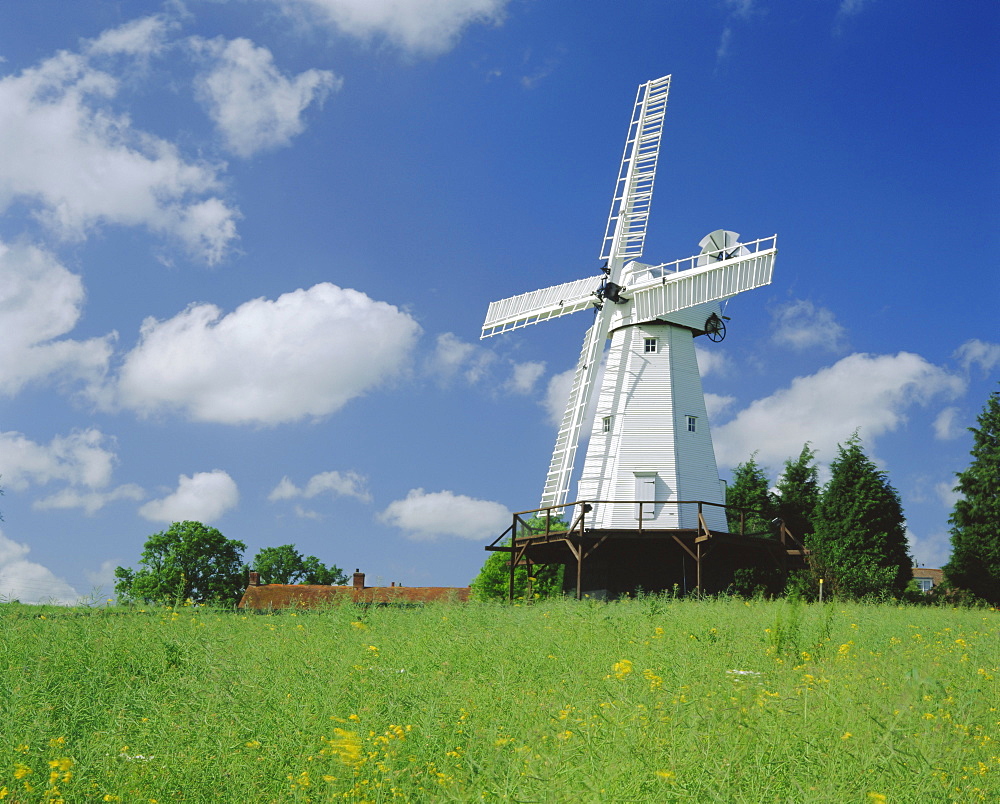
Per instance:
{"type": "Point", "coordinates": [749, 490]}
{"type": "Point", "coordinates": [493, 580]}
{"type": "Point", "coordinates": [189, 560]}
{"type": "Point", "coordinates": [285, 564]}
{"type": "Point", "coordinates": [975, 521]}
{"type": "Point", "coordinates": [859, 543]}
{"type": "Point", "coordinates": [797, 494]}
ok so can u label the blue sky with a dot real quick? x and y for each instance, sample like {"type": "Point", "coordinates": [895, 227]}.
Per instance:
{"type": "Point", "coordinates": [246, 248]}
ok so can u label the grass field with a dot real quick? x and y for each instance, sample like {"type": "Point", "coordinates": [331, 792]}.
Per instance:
{"type": "Point", "coordinates": [646, 700]}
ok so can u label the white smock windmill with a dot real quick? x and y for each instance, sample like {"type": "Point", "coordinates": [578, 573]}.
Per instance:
{"type": "Point", "coordinates": [649, 437]}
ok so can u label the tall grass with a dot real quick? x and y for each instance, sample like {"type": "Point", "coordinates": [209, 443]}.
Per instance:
{"type": "Point", "coordinates": [648, 700]}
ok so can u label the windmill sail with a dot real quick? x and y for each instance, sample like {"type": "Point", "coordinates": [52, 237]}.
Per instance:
{"type": "Point", "coordinates": [664, 289]}
{"type": "Point", "coordinates": [625, 233]}
{"type": "Point", "coordinates": [557, 480]}
{"type": "Point", "coordinates": [539, 305]}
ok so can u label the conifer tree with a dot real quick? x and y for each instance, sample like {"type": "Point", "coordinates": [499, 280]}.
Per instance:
{"type": "Point", "coordinates": [859, 544]}
{"type": "Point", "coordinates": [975, 522]}
{"type": "Point", "coordinates": [797, 493]}
{"type": "Point", "coordinates": [749, 490]}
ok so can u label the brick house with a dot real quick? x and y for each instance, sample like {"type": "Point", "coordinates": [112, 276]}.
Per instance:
{"type": "Point", "coordinates": [263, 597]}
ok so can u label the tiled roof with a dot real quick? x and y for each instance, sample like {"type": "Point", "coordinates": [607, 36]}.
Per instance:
{"type": "Point", "coordinates": [285, 596]}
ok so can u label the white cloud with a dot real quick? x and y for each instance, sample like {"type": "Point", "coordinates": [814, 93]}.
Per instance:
{"type": "Point", "coordinates": [557, 395]}
{"type": "Point", "coordinates": [444, 513]}
{"type": "Point", "coordinates": [945, 491]}
{"type": "Point", "coordinates": [338, 484]}
{"type": "Point", "coordinates": [253, 105]}
{"type": "Point", "coordinates": [305, 354]}
{"type": "Point", "coordinates": [975, 352]}
{"type": "Point", "coordinates": [945, 426]}
{"type": "Point", "coordinates": [421, 26]}
{"type": "Point", "coordinates": [870, 393]}
{"type": "Point", "coordinates": [79, 459]}
{"type": "Point", "coordinates": [79, 165]}
{"type": "Point", "coordinates": [453, 355]}
{"type": "Point", "coordinates": [524, 376]}
{"type": "Point", "coordinates": [716, 405]}
{"type": "Point", "coordinates": [711, 361]}
{"type": "Point", "coordinates": [929, 551]}
{"type": "Point", "coordinates": [29, 581]}
{"type": "Point", "coordinates": [203, 497]}
{"type": "Point", "coordinates": [802, 325]}
{"type": "Point", "coordinates": [89, 501]}
{"type": "Point", "coordinates": [40, 301]}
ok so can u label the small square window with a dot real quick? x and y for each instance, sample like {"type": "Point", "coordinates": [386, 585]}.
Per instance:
{"type": "Point", "coordinates": [692, 424]}
{"type": "Point", "coordinates": [650, 346]}
{"type": "Point", "coordinates": [606, 424]}
{"type": "Point", "coordinates": [925, 584]}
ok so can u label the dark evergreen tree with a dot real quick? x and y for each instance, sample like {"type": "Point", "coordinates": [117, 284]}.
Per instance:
{"type": "Point", "coordinates": [859, 543]}
{"type": "Point", "coordinates": [797, 494]}
{"type": "Point", "coordinates": [749, 492]}
{"type": "Point", "coordinates": [975, 522]}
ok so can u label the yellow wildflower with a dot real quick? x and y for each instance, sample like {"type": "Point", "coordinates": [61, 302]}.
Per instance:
{"type": "Point", "coordinates": [622, 668]}
{"type": "Point", "coordinates": [666, 775]}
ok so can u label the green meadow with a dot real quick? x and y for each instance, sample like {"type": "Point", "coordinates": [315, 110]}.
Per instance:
{"type": "Point", "coordinates": [656, 699]}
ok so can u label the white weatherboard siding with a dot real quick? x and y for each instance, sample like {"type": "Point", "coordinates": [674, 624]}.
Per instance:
{"type": "Point", "coordinates": [648, 449]}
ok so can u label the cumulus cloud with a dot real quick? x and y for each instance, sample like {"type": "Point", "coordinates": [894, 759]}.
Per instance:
{"type": "Point", "coordinates": [929, 551]}
{"type": "Point", "coordinates": [79, 459]}
{"type": "Point", "coordinates": [711, 361]}
{"type": "Point", "coordinates": [203, 497]}
{"type": "Point", "coordinates": [305, 354]}
{"type": "Point", "coordinates": [557, 395]}
{"type": "Point", "coordinates": [28, 581]}
{"type": "Point", "coordinates": [430, 515]}
{"type": "Point", "coordinates": [524, 376]}
{"type": "Point", "coordinates": [975, 352]}
{"type": "Point", "coordinates": [419, 26]}
{"type": "Point", "coordinates": [947, 494]}
{"type": "Point", "coordinates": [90, 501]}
{"type": "Point", "coordinates": [77, 164]}
{"type": "Point", "coordinates": [870, 393]}
{"type": "Point", "coordinates": [254, 106]}
{"type": "Point", "coordinates": [41, 301]}
{"type": "Point", "coordinates": [716, 405]}
{"type": "Point", "coordinates": [802, 325]}
{"type": "Point", "coordinates": [945, 425]}
{"type": "Point", "coordinates": [338, 484]}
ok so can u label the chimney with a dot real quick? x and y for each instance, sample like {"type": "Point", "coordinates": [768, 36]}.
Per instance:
{"type": "Point", "coordinates": [359, 579]}
{"type": "Point", "coordinates": [254, 578]}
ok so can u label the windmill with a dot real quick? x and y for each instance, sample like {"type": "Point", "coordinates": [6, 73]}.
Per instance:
{"type": "Point", "coordinates": [649, 435]}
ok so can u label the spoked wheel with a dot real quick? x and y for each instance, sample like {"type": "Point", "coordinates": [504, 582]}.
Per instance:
{"type": "Point", "coordinates": [715, 328]}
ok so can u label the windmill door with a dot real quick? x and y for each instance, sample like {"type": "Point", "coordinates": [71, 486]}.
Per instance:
{"type": "Point", "coordinates": [645, 493]}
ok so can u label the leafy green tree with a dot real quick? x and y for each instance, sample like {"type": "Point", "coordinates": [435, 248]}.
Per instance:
{"type": "Point", "coordinates": [189, 560]}
{"type": "Point", "coordinates": [859, 543]}
{"type": "Point", "coordinates": [493, 580]}
{"type": "Point", "coordinates": [285, 564]}
{"type": "Point", "coordinates": [975, 521]}
{"type": "Point", "coordinates": [749, 490]}
{"type": "Point", "coordinates": [797, 493]}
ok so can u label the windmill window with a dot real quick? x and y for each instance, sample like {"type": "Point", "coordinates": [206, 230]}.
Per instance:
{"type": "Point", "coordinates": [692, 424]}
{"type": "Point", "coordinates": [606, 424]}
{"type": "Point", "coordinates": [650, 346]}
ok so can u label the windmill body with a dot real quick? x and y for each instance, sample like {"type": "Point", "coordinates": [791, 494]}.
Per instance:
{"type": "Point", "coordinates": [649, 438]}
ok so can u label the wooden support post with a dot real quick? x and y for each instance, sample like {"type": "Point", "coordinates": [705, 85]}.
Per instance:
{"type": "Point", "coordinates": [698, 568]}
{"type": "Point", "coordinates": [513, 562]}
